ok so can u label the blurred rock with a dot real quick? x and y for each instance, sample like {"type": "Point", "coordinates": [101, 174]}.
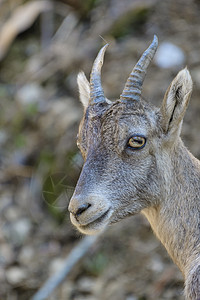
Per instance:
{"type": "Point", "coordinates": [6, 201]}
{"type": "Point", "coordinates": [18, 231]}
{"type": "Point", "coordinates": [30, 94]}
{"type": "Point", "coordinates": [61, 114]}
{"type": "Point", "coordinates": [2, 275]}
{"type": "Point", "coordinates": [85, 297]}
{"type": "Point", "coordinates": [55, 265]}
{"type": "Point", "coordinates": [131, 297]}
{"type": "Point", "coordinates": [3, 137]}
{"type": "Point", "coordinates": [26, 255]}
{"type": "Point", "coordinates": [16, 275]}
{"type": "Point", "coordinates": [196, 76]}
{"type": "Point", "coordinates": [155, 264]}
{"type": "Point", "coordinates": [12, 213]}
{"type": "Point", "coordinates": [86, 284]}
{"type": "Point", "coordinates": [169, 55]}
{"type": "Point", "coordinates": [6, 254]}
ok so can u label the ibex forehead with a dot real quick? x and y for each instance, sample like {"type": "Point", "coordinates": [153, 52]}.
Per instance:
{"type": "Point", "coordinates": [136, 118]}
{"type": "Point", "coordinates": [128, 112]}
{"type": "Point", "coordinates": [116, 122]}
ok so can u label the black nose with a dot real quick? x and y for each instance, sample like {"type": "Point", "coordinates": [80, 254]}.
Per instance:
{"type": "Point", "coordinates": [83, 207]}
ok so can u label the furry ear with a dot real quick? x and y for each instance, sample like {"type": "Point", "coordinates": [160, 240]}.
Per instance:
{"type": "Point", "coordinates": [84, 89]}
{"type": "Point", "coordinates": [175, 102]}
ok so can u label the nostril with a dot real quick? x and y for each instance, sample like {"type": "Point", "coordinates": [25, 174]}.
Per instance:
{"type": "Point", "coordinates": [82, 208]}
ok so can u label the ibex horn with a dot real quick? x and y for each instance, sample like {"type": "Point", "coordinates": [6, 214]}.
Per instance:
{"type": "Point", "coordinates": [133, 86]}
{"type": "Point", "coordinates": [96, 90]}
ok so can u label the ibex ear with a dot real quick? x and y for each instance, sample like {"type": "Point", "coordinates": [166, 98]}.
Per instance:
{"type": "Point", "coordinates": [84, 89]}
{"type": "Point", "coordinates": [175, 102]}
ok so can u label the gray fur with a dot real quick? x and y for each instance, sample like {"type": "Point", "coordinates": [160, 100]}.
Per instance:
{"type": "Point", "coordinates": [161, 180]}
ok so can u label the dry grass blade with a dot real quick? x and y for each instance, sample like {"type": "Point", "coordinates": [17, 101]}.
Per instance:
{"type": "Point", "coordinates": [76, 254]}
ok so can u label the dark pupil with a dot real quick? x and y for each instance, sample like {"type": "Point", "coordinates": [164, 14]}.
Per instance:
{"type": "Point", "coordinates": [139, 141]}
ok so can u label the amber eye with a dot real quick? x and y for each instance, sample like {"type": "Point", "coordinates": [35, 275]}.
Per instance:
{"type": "Point", "coordinates": [136, 142]}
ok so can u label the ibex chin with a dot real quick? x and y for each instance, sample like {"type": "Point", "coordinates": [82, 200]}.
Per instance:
{"type": "Point", "coordinates": [135, 161]}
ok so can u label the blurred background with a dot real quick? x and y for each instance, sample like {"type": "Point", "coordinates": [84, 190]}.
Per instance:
{"type": "Point", "coordinates": [43, 45]}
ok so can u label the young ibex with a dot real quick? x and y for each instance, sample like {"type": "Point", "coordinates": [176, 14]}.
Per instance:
{"type": "Point", "coordinates": [135, 161]}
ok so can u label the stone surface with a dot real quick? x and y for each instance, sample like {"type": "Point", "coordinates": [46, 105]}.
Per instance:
{"type": "Point", "coordinates": [16, 275]}
{"type": "Point", "coordinates": [169, 55]}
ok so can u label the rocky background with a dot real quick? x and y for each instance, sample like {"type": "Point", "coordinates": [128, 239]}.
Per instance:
{"type": "Point", "coordinates": [43, 45]}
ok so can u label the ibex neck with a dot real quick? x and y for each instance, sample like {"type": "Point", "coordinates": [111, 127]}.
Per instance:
{"type": "Point", "coordinates": [176, 220]}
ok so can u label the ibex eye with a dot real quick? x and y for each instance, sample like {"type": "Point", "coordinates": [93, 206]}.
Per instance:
{"type": "Point", "coordinates": [136, 142]}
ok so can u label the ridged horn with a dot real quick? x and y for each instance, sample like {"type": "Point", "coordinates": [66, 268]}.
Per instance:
{"type": "Point", "coordinates": [133, 86]}
{"type": "Point", "coordinates": [96, 90]}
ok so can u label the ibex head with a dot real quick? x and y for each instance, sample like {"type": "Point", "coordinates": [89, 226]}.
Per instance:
{"type": "Point", "coordinates": [122, 143]}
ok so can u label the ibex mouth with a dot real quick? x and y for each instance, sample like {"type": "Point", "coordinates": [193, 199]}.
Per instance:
{"type": "Point", "coordinates": [97, 225]}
